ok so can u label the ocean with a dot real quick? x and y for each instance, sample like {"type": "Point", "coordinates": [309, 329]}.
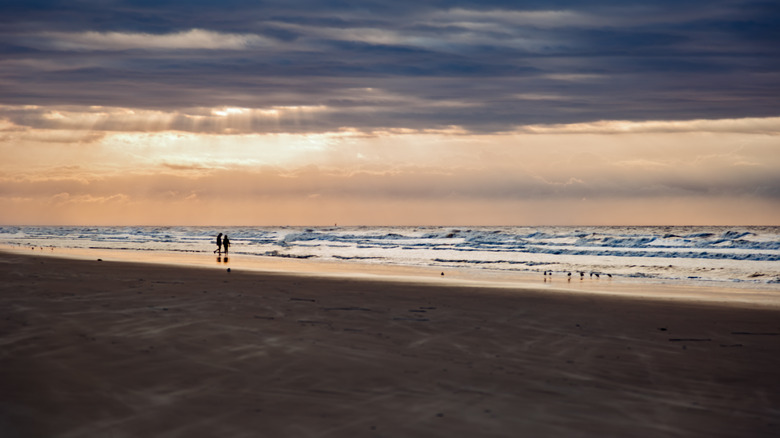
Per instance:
{"type": "Point", "coordinates": [729, 256]}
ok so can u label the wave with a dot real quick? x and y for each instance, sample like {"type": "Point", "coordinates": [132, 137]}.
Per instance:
{"type": "Point", "coordinates": [490, 262]}
{"type": "Point", "coordinates": [735, 249]}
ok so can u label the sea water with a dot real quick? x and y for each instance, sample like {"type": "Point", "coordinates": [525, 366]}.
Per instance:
{"type": "Point", "coordinates": [734, 256]}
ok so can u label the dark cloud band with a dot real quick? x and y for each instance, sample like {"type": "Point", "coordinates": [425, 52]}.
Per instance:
{"type": "Point", "coordinates": [480, 65]}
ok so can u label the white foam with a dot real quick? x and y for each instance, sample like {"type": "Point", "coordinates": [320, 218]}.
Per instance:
{"type": "Point", "coordinates": [731, 255]}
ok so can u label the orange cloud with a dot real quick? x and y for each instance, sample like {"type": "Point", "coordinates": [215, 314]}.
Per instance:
{"type": "Point", "coordinates": [72, 169]}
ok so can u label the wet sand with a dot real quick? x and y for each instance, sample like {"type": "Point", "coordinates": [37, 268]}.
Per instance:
{"type": "Point", "coordinates": [108, 349]}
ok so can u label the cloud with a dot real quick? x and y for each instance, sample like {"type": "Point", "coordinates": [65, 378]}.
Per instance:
{"type": "Point", "coordinates": [768, 126]}
{"type": "Point", "coordinates": [188, 40]}
{"type": "Point", "coordinates": [61, 124]}
{"type": "Point", "coordinates": [709, 176]}
{"type": "Point", "coordinates": [411, 196]}
{"type": "Point", "coordinates": [64, 198]}
{"type": "Point", "coordinates": [223, 120]}
{"type": "Point", "coordinates": [480, 65]}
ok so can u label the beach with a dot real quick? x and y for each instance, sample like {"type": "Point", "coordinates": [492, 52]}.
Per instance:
{"type": "Point", "coordinates": [95, 348]}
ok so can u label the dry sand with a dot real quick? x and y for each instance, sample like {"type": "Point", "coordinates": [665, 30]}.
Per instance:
{"type": "Point", "coordinates": [104, 349]}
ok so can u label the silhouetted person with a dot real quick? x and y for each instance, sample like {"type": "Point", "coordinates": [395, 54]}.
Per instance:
{"type": "Point", "coordinates": [219, 244]}
{"type": "Point", "coordinates": [226, 244]}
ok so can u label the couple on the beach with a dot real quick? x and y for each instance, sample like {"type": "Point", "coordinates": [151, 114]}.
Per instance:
{"type": "Point", "coordinates": [222, 242]}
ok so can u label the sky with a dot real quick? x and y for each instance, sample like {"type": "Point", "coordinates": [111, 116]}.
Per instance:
{"type": "Point", "coordinates": [232, 112]}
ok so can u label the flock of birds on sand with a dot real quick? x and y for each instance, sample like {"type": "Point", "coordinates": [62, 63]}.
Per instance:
{"type": "Point", "coordinates": [582, 275]}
